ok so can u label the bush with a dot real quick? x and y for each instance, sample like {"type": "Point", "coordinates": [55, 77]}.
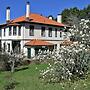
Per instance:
{"type": "Point", "coordinates": [10, 82]}
{"type": "Point", "coordinates": [10, 85]}
{"type": "Point", "coordinates": [4, 58]}
{"type": "Point", "coordinates": [71, 63]}
{"type": "Point", "coordinates": [8, 61]}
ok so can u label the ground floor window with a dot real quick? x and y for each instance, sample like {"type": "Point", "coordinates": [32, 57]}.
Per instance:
{"type": "Point", "coordinates": [16, 46]}
{"type": "Point", "coordinates": [8, 47]}
{"type": "Point", "coordinates": [4, 46]}
{"type": "Point", "coordinates": [60, 34]}
{"type": "Point", "coordinates": [55, 47]}
{"type": "Point", "coordinates": [0, 44]}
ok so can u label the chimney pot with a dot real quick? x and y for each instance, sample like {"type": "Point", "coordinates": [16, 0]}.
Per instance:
{"type": "Point", "coordinates": [50, 17]}
{"type": "Point", "coordinates": [8, 7]}
{"type": "Point", "coordinates": [28, 2]}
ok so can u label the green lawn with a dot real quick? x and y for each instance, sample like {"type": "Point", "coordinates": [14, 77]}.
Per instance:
{"type": "Point", "coordinates": [28, 80]}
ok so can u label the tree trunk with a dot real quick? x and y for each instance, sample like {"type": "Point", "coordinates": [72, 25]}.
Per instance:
{"type": "Point", "coordinates": [12, 66]}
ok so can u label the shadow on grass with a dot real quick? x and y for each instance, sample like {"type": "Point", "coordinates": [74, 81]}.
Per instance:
{"type": "Point", "coordinates": [21, 68]}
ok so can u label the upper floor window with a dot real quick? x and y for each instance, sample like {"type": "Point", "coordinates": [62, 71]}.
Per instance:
{"type": "Point", "coordinates": [60, 34]}
{"type": "Point", "coordinates": [19, 31]}
{"type": "Point", "coordinates": [43, 31]}
{"type": "Point", "coordinates": [14, 30]}
{"type": "Point", "coordinates": [31, 31]}
{"type": "Point", "coordinates": [10, 31]}
{"type": "Point", "coordinates": [4, 31]}
{"type": "Point", "coordinates": [50, 32]}
{"type": "Point", "coordinates": [0, 32]}
{"type": "Point", "coordinates": [55, 32]}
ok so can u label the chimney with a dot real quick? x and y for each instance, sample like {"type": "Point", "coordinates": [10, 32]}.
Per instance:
{"type": "Point", "coordinates": [50, 17]}
{"type": "Point", "coordinates": [7, 14]}
{"type": "Point", "coordinates": [59, 18]}
{"type": "Point", "coordinates": [27, 10]}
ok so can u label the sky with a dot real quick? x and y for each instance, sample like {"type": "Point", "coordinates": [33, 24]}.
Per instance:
{"type": "Point", "coordinates": [44, 7]}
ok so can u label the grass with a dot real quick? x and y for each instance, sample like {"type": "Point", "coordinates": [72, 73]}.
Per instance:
{"type": "Point", "coordinates": [28, 80]}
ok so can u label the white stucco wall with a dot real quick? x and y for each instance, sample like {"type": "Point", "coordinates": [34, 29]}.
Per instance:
{"type": "Point", "coordinates": [37, 32]}
{"type": "Point", "coordinates": [12, 37]}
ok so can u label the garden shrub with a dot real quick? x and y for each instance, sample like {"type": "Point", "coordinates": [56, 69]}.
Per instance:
{"type": "Point", "coordinates": [71, 63]}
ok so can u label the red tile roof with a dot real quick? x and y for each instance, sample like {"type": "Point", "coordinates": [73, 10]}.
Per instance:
{"type": "Point", "coordinates": [36, 18]}
{"type": "Point", "coordinates": [13, 24]}
{"type": "Point", "coordinates": [9, 24]}
{"type": "Point", "coordinates": [66, 43]}
{"type": "Point", "coordinates": [35, 42]}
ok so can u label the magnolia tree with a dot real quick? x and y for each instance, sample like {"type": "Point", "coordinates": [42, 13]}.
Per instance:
{"type": "Point", "coordinates": [8, 61]}
{"type": "Point", "coordinates": [80, 30]}
{"type": "Point", "coordinates": [72, 62]}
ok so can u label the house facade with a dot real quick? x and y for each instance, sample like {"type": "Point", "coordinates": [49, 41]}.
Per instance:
{"type": "Point", "coordinates": [31, 32]}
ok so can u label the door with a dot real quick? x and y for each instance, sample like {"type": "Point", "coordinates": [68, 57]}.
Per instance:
{"type": "Point", "coordinates": [29, 52]}
{"type": "Point", "coordinates": [16, 46]}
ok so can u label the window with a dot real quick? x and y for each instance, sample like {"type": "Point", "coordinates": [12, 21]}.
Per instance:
{"type": "Point", "coordinates": [43, 31]}
{"type": "Point", "coordinates": [60, 34]}
{"type": "Point", "coordinates": [19, 31]}
{"type": "Point", "coordinates": [31, 31]}
{"type": "Point", "coordinates": [55, 32]}
{"type": "Point", "coordinates": [4, 46]}
{"type": "Point", "coordinates": [10, 32]}
{"type": "Point", "coordinates": [55, 47]}
{"type": "Point", "coordinates": [14, 30]}
{"type": "Point", "coordinates": [8, 47]}
{"type": "Point", "coordinates": [0, 32]}
{"type": "Point", "coordinates": [50, 32]}
{"type": "Point", "coordinates": [4, 31]}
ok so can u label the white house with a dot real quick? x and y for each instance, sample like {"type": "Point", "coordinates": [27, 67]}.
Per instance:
{"type": "Point", "coordinates": [31, 32]}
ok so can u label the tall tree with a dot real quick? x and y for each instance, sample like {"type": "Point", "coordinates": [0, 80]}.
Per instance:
{"type": "Point", "coordinates": [81, 14]}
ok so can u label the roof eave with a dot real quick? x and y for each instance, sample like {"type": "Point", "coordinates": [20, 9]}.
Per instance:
{"type": "Point", "coordinates": [40, 23]}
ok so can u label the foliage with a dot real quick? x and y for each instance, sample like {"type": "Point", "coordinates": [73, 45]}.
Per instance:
{"type": "Point", "coordinates": [4, 58]}
{"type": "Point", "coordinates": [84, 13]}
{"type": "Point", "coordinates": [9, 61]}
{"type": "Point", "coordinates": [72, 63]}
{"type": "Point", "coordinates": [80, 30]}
{"type": "Point", "coordinates": [10, 85]}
